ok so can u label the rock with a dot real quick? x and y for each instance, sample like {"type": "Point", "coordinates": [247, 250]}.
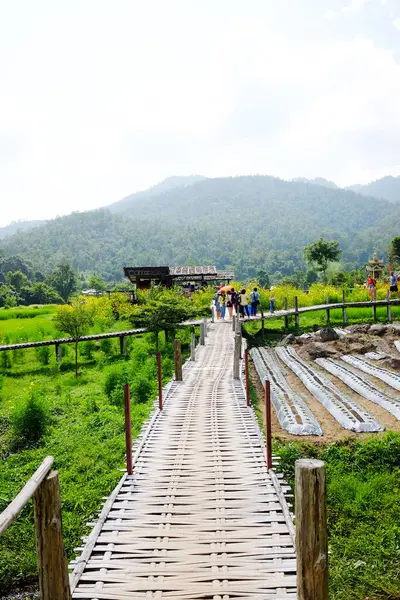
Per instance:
{"type": "Point", "coordinates": [393, 328]}
{"type": "Point", "coordinates": [288, 339]}
{"type": "Point", "coordinates": [304, 338]}
{"type": "Point", "coordinates": [392, 363]}
{"type": "Point", "coordinates": [377, 329]}
{"type": "Point", "coordinates": [328, 334]}
{"type": "Point", "coordinates": [359, 328]}
{"type": "Point", "coordinates": [319, 350]}
{"type": "Point", "coordinates": [359, 348]}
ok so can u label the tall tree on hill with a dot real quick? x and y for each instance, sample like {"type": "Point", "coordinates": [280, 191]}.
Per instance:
{"type": "Point", "coordinates": [321, 253]}
{"type": "Point", "coordinates": [63, 280]}
{"type": "Point", "coordinates": [394, 250]}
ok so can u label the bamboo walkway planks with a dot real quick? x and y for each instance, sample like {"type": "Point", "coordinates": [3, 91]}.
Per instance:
{"type": "Point", "coordinates": [201, 517]}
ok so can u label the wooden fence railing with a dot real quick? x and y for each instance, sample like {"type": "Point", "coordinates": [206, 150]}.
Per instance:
{"type": "Point", "coordinates": [44, 488]}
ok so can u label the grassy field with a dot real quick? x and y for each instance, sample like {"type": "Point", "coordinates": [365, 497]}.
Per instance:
{"type": "Point", "coordinates": [81, 424]}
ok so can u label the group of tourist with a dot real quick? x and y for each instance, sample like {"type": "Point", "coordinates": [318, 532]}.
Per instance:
{"type": "Point", "coordinates": [371, 285]}
{"type": "Point", "coordinates": [228, 301]}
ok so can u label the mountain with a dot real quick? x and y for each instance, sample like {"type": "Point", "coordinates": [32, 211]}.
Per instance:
{"type": "Point", "coordinates": [246, 223]}
{"type": "Point", "coordinates": [316, 181]}
{"type": "Point", "coordinates": [387, 188]}
{"type": "Point", "coordinates": [164, 186]}
{"type": "Point", "coordinates": [17, 226]}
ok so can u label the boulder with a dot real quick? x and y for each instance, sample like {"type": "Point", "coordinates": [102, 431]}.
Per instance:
{"type": "Point", "coordinates": [304, 338]}
{"type": "Point", "coordinates": [377, 329]}
{"type": "Point", "coordinates": [288, 339]}
{"type": "Point", "coordinates": [361, 348]}
{"type": "Point", "coordinates": [328, 334]}
{"type": "Point", "coordinates": [359, 328]}
{"type": "Point", "coordinates": [319, 350]}
{"type": "Point", "coordinates": [392, 363]}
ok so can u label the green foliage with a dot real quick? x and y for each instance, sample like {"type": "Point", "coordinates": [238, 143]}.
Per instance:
{"type": "Point", "coordinates": [43, 354]}
{"type": "Point", "coordinates": [75, 320]}
{"type": "Point", "coordinates": [322, 252]}
{"type": "Point", "coordinates": [87, 348]}
{"type": "Point", "coordinates": [96, 282]}
{"type": "Point", "coordinates": [142, 389]}
{"type": "Point", "coordinates": [29, 420]}
{"type": "Point", "coordinates": [115, 380]}
{"type": "Point", "coordinates": [363, 513]}
{"type": "Point", "coordinates": [63, 280]}
{"type": "Point", "coordinates": [394, 251]}
{"type": "Point", "coordinates": [106, 346]}
{"type": "Point", "coordinates": [5, 360]}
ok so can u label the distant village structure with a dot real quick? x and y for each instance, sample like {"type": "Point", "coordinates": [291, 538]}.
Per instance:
{"type": "Point", "coordinates": [145, 277]}
{"type": "Point", "coordinates": [375, 266]}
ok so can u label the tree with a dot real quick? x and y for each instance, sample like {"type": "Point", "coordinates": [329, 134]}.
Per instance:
{"type": "Point", "coordinates": [63, 280]}
{"type": "Point", "coordinates": [165, 312]}
{"type": "Point", "coordinates": [40, 293]}
{"type": "Point", "coordinates": [263, 278]}
{"type": "Point", "coordinates": [75, 320]}
{"type": "Point", "coordinates": [394, 250]}
{"type": "Point", "coordinates": [322, 252]}
{"type": "Point", "coordinates": [16, 280]}
{"type": "Point", "coordinates": [96, 282]}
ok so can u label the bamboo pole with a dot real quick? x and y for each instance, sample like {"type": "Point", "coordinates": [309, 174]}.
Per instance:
{"type": "Point", "coordinates": [52, 563]}
{"type": "Point", "coordinates": [159, 374]}
{"type": "Point", "coordinates": [128, 428]}
{"type": "Point", "coordinates": [311, 530]}
{"type": "Point", "coordinates": [246, 368]}
{"type": "Point", "coordinates": [205, 326]}
{"type": "Point", "coordinates": [268, 427]}
{"type": "Point", "coordinates": [12, 511]}
{"type": "Point", "coordinates": [236, 356]}
{"type": "Point", "coordinates": [178, 360]}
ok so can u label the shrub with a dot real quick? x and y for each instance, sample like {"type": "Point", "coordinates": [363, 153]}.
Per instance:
{"type": "Point", "coordinates": [115, 381]}
{"type": "Point", "coordinates": [29, 420]}
{"type": "Point", "coordinates": [5, 360]}
{"type": "Point", "coordinates": [106, 346]}
{"type": "Point", "coordinates": [141, 389]}
{"type": "Point", "coordinates": [1, 384]}
{"type": "Point", "coordinates": [87, 349]}
{"type": "Point", "coordinates": [43, 355]}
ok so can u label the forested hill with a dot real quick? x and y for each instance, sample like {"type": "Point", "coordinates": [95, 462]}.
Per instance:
{"type": "Point", "coordinates": [387, 188]}
{"type": "Point", "coordinates": [244, 222]}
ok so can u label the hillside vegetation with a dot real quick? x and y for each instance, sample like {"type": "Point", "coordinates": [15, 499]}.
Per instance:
{"type": "Point", "coordinates": [248, 223]}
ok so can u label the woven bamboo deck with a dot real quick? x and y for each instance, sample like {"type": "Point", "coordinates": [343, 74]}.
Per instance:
{"type": "Point", "coordinates": [201, 517]}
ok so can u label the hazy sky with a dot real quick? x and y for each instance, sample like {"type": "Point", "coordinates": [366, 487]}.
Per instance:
{"type": "Point", "coordinates": [101, 98]}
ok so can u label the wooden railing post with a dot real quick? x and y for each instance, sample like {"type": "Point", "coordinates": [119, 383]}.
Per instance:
{"type": "Point", "coordinates": [328, 312]}
{"type": "Point", "coordinates": [344, 311]}
{"type": "Point", "coordinates": [246, 370]}
{"type": "Point", "coordinates": [296, 314]}
{"type": "Point", "coordinates": [128, 428]}
{"type": "Point", "coordinates": [268, 424]}
{"type": "Point", "coordinates": [192, 346]}
{"type": "Point", "coordinates": [159, 374]}
{"type": "Point", "coordinates": [122, 345]}
{"type": "Point", "coordinates": [285, 307]}
{"type": "Point", "coordinates": [205, 326]}
{"type": "Point", "coordinates": [236, 356]}
{"type": "Point", "coordinates": [52, 563]}
{"type": "Point", "coordinates": [262, 324]}
{"type": "Point", "coordinates": [178, 360]}
{"type": "Point", "coordinates": [202, 334]}
{"type": "Point", "coordinates": [374, 310]}
{"type": "Point", "coordinates": [234, 322]}
{"type": "Point", "coordinates": [388, 307]}
{"type": "Point", "coordinates": [311, 530]}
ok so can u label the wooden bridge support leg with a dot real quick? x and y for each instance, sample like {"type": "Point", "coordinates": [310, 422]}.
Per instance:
{"type": "Point", "coordinates": [388, 307]}
{"type": "Point", "coordinates": [236, 356]}
{"type": "Point", "coordinates": [311, 530]}
{"type": "Point", "coordinates": [178, 360]}
{"type": "Point", "coordinates": [296, 315]}
{"type": "Point", "coordinates": [192, 346]}
{"type": "Point", "coordinates": [52, 563]}
{"type": "Point", "coordinates": [285, 307]}
{"type": "Point", "coordinates": [58, 353]}
{"type": "Point", "coordinates": [374, 311]}
{"type": "Point", "coordinates": [128, 428]}
{"type": "Point", "coordinates": [328, 313]}
{"type": "Point", "coordinates": [262, 324]}
{"type": "Point", "coordinates": [234, 322]}
{"type": "Point", "coordinates": [205, 326]}
{"type": "Point", "coordinates": [268, 425]}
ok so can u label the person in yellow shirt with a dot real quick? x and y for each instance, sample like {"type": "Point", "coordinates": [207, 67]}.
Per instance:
{"type": "Point", "coordinates": [244, 304]}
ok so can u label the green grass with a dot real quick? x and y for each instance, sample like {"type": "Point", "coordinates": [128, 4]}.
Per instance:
{"type": "Point", "coordinates": [26, 312]}
{"type": "Point", "coordinates": [363, 482]}
{"type": "Point", "coordinates": [85, 435]}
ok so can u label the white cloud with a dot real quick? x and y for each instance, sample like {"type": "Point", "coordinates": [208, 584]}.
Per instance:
{"type": "Point", "coordinates": [354, 7]}
{"type": "Point", "coordinates": [396, 23]}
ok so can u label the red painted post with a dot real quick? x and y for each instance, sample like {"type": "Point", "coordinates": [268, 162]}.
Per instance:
{"type": "Point", "coordinates": [268, 432]}
{"type": "Point", "coordinates": [128, 428]}
{"type": "Point", "coordinates": [246, 370]}
{"type": "Point", "coordinates": [159, 380]}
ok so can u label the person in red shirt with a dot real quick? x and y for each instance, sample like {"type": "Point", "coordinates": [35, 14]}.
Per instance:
{"type": "Point", "coordinates": [371, 285]}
